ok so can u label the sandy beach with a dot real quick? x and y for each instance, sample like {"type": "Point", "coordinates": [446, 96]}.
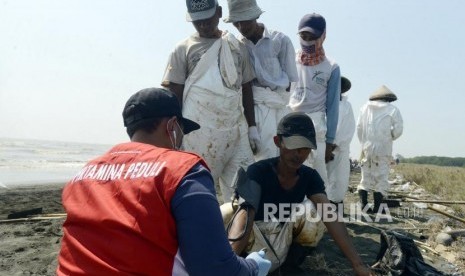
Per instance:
{"type": "Point", "coordinates": [31, 247]}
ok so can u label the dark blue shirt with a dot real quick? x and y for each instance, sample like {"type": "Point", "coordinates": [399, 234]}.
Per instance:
{"type": "Point", "coordinates": [265, 174]}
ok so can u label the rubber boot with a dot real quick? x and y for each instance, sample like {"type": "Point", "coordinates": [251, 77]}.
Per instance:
{"type": "Point", "coordinates": [378, 199]}
{"type": "Point", "coordinates": [363, 198]}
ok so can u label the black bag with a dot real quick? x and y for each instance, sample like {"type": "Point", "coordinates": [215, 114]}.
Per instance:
{"type": "Point", "coordinates": [399, 255]}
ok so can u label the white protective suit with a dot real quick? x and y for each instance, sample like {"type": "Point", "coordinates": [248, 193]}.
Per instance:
{"type": "Point", "coordinates": [379, 124]}
{"type": "Point", "coordinates": [222, 139]}
{"type": "Point", "coordinates": [270, 107]}
{"type": "Point", "coordinates": [339, 168]}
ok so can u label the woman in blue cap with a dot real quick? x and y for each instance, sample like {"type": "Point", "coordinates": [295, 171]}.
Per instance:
{"type": "Point", "coordinates": [317, 91]}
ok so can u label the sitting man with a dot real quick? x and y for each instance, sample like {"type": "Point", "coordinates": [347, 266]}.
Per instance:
{"type": "Point", "coordinates": [270, 192]}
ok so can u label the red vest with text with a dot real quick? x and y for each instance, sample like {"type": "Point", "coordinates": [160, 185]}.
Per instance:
{"type": "Point", "coordinates": [119, 219]}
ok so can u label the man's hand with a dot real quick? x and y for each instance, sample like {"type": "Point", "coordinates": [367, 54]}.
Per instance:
{"type": "Point", "coordinates": [263, 264]}
{"type": "Point", "coordinates": [254, 139]}
{"type": "Point", "coordinates": [329, 155]}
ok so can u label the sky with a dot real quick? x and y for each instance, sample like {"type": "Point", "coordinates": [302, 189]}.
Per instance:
{"type": "Point", "coordinates": [68, 66]}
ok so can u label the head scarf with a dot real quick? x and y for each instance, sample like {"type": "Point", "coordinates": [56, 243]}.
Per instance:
{"type": "Point", "coordinates": [312, 52]}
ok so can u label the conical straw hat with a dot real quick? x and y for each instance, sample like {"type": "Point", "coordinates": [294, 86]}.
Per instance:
{"type": "Point", "coordinates": [383, 94]}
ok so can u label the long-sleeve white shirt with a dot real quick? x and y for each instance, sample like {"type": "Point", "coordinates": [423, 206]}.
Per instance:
{"type": "Point", "coordinates": [273, 58]}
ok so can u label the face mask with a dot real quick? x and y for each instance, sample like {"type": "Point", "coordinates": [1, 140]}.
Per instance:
{"type": "Point", "coordinates": [174, 138]}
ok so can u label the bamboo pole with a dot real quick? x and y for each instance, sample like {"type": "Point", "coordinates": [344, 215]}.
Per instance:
{"type": "Point", "coordinates": [29, 219]}
{"type": "Point", "coordinates": [428, 201]}
{"type": "Point", "coordinates": [446, 214]}
{"type": "Point", "coordinates": [53, 215]}
{"type": "Point", "coordinates": [426, 246]}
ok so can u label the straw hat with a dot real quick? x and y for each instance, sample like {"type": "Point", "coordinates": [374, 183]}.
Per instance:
{"type": "Point", "coordinates": [383, 94]}
{"type": "Point", "coordinates": [345, 84]}
{"type": "Point", "coordinates": [242, 10]}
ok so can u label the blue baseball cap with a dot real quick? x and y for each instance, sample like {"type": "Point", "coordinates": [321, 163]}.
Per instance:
{"type": "Point", "coordinates": [314, 23]}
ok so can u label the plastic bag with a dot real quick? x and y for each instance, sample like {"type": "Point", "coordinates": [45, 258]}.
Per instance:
{"type": "Point", "coordinates": [398, 255]}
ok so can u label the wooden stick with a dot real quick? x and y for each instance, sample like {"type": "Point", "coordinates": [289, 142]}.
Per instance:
{"type": "Point", "coordinates": [28, 219]}
{"type": "Point", "coordinates": [410, 228]}
{"type": "Point", "coordinates": [53, 215]}
{"type": "Point", "coordinates": [446, 214]}
{"type": "Point", "coordinates": [458, 232]}
{"type": "Point", "coordinates": [428, 201]}
{"type": "Point", "coordinates": [426, 246]}
{"type": "Point", "coordinates": [436, 210]}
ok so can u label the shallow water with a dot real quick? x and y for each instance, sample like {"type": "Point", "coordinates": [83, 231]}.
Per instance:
{"type": "Point", "coordinates": [31, 162]}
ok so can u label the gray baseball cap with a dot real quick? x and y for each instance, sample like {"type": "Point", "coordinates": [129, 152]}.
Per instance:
{"type": "Point", "coordinates": [297, 131]}
{"type": "Point", "coordinates": [200, 9]}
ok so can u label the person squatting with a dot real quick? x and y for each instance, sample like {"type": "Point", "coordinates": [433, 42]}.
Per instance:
{"type": "Point", "coordinates": [284, 181]}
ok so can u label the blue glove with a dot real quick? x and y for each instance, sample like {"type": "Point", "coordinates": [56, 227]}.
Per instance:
{"type": "Point", "coordinates": [264, 265]}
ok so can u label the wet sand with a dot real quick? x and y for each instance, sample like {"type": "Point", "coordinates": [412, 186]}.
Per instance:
{"type": "Point", "coordinates": [31, 247]}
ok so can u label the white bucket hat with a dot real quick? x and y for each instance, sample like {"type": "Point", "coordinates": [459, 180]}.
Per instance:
{"type": "Point", "coordinates": [383, 94]}
{"type": "Point", "coordinates": [242, 10]}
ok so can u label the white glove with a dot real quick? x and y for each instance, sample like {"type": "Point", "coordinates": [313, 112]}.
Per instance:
{"type": "Point", "coordinates": [254, 139]}
{"type": "Point", "coordinates": [263, 264]}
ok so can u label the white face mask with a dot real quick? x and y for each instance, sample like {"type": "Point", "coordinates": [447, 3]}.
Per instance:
{"type": "Point", "coordinates": [174, 138]}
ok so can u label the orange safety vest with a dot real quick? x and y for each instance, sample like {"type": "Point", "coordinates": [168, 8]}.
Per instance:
{"type": "Point", "coordinates": [119, 219]}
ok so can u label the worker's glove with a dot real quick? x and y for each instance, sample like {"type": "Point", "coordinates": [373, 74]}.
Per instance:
{"type": "Point", "coordinates": [263, 264]}
{"type": "Point", "coordinates": [254, 139]}
{"type": "Point", "coordinates": [329, 155]}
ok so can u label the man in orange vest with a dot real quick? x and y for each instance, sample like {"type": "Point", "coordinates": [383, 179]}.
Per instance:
{"type": "Point", "coordinates": [146, 208]}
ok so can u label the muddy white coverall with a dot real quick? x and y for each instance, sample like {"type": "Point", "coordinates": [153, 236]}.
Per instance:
{"type": "Point", "coordinates": [208, 99]}
{"type": "Point", "coordinates": [339, 168]}
{"type": "Point", "coordinates": [379, 124]}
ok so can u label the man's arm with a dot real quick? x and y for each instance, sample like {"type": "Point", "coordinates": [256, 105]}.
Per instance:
{"type": "Point", "coordinates": [398, 125]}
{"type": "Point", "coordinates": [177, 89]}
{"type": "Point", "coordinates": [176, 71]}
{"type": "Point", "coordinates": [247, 103]}
{"type": "Point", "coordinates": [249, 113]}
{"type": "Point", "coordinates": [338, 232]}
{"type": "Point", "coordinates": [333, 94]}
{"type": "Point", "coordinates": [287, 59]}
{"type": "Point", "coordinates": [359, 124]}
{"type": "Point", "coordinates": [203, 244]}
{"type": "Point", "coordinates": [241, 227]}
